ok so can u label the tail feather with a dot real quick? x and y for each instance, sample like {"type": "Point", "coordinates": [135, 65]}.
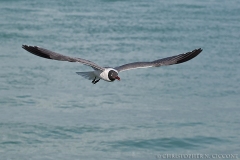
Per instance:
{"type": "Point", "coordinates": [88, 75]}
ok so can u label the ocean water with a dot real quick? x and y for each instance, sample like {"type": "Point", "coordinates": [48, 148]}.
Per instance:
{"type": "Point", "coordinates": [48, 112]}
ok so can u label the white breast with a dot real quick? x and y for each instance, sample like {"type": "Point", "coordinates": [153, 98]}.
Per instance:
{"type": "Point", "coordinates": [104, 74]}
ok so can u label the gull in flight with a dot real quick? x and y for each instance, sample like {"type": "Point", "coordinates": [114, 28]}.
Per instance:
{"type": "Point", "coordinates": [107, 73]}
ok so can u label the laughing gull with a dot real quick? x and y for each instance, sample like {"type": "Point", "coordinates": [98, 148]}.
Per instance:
{"type": "Point", "coordinates": [106, 73]}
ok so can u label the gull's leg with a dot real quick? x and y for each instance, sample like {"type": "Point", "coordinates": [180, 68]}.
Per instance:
{"type": "Point", "coordinates": [94, 80]}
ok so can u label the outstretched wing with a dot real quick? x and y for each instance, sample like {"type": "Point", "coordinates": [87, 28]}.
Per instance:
{"type": "Point", "coordinates": [161, 62]}
{"type": "Point", "coordinates": [41, 52]}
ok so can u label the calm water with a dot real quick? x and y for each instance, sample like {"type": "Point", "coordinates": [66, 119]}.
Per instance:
{"type": "Point", "coordinates": [48, 112]}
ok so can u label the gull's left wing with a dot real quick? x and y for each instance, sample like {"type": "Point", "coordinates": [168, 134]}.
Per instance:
{"type": "Point", "coordinates": [161, 62]}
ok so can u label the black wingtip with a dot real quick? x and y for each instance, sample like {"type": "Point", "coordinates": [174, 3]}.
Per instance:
{"type": "Point", "coordinates": [35, 50]}
{"type": "Point", "coordinates": [24, 46]}
{"type": "Point", "coordinates": [190, 55]}
{"type": "Point", "coordinates": [198, 50]}
{"type": "Point", "coordinates": [27, 47]}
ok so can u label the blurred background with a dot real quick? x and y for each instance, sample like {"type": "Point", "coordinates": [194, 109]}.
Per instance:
{"type": "Point", "coordinates": [47, 111]}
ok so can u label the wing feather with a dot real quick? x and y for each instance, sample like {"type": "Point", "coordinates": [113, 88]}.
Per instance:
{"type": "Point", "coordinates": [44, 53]}
{"type": "Point", "coordinates": [161, 62]}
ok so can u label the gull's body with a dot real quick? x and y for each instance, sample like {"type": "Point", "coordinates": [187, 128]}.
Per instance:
{"type": "Point", "coordinates": [107, 73]}
{"type": "Point", "coordinates": [96, 75]}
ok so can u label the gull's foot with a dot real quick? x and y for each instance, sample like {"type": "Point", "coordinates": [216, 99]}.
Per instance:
{"type": "Point", "coordinates": [96, 81]}
{"type": "Point", "coordinates": [93, 81]}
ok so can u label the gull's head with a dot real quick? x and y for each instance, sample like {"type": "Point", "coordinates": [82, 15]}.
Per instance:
{"type": "Point", "coordinates": [112, 75]}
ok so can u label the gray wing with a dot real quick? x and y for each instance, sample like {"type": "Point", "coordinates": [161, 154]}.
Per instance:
{"type": "Point", "coordinates": [41, 52]}
{"type": "Point", "coordinates": [161, 62]}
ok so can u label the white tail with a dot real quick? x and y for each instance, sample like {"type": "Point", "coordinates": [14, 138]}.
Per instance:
{"type": "Point", "coordinates": [88, 75]}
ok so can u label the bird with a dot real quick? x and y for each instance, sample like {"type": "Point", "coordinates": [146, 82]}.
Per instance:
{"type": "Point", "coordinates": [110, 74]}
